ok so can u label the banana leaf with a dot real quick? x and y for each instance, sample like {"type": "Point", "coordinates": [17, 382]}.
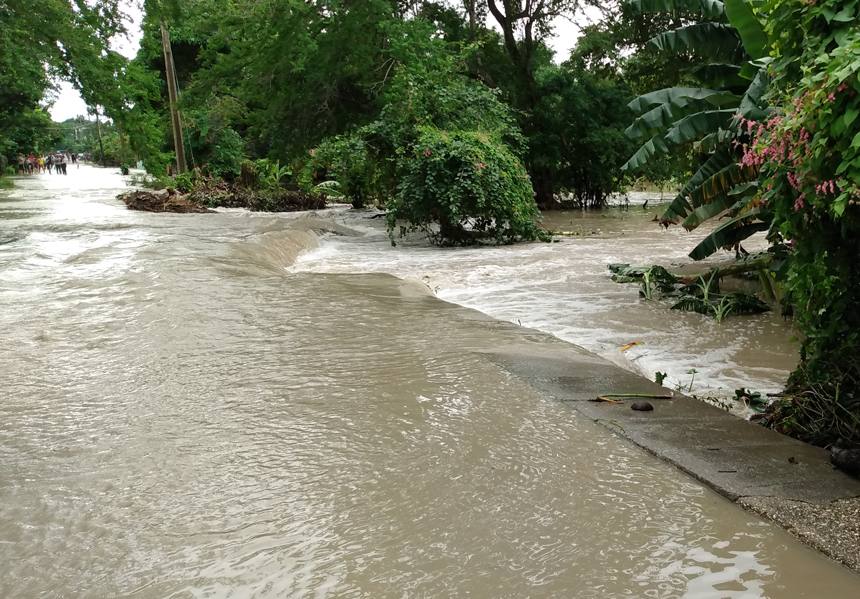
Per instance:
{"type": "Point", "coordinates": [710, 9]}
{"type": "Point", "coordinates": [721, 75]}
{"type": "Point", "coordinates": [720, 204]}
{"type": "Point", "coordinates": [652, 147]}
{"type": "Point", "coordinates": [665, 115]}
{"type": "Point", "coordinates": [680, 207]}
{"type": "Point", "coordinates": [751, 107]}
{"type": "Point", "coordinates": [711, 142]}
{"type": "Point", "coordinates": [750, 29]}
{"type": "Point", "coordinates": [671, 94]}
{"type": "Point", "coordinates": [699, 124]}
{"type": "Point", "coordinates": [694, 304]}
{"type": "Point", "coordinates": [716, 206]}
{"type": "Point", "coordinates": [722, 182]}
{"type": "Point", "coordinates": [713, 40]}
{"type": "Point", "coordinates": [730, 233]}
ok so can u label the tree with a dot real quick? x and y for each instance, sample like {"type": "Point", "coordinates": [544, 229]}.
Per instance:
{"type": "Point", "coordinates": [525, 24]}
{"type": "Point", "coordinates": [445, 154]}
{"type": "Point", "coordinates": [57, 39]}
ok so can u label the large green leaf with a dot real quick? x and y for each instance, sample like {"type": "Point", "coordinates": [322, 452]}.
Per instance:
{"type": "Point", "coordinates": [711, 142]}
{"type": "Point", "coordinates": [680, 207]}
{"type": "Point", "coordinates": [652, 147]}
{"type": "Point", "coordinates": [742, 18]}
{"type": "Point", "coordinates": [720, 204]}
{"type": "Point", "coordinates": [699, 124]}
{"type": "Point", "coordinates": [730, 233]}
{"type": "Point", "coordinates": [716, 206]}
{"type": "Point", "coordinates": [721, 75]}
{"type": "Point", "coordinates": [670, 94]}
{"type": "Point", "coordinates": [722, 182]}
{"type": "Point", "coordinates": [710, 9]}
{"type": "Point", "coordinates": [712, 40]}
{"type": "Point", "coordinates": [751, 106]}
{"type": "Point", "coordinates": [663, 116]}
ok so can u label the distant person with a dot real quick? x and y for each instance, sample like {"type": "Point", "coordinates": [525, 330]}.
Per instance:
{"type": "Point", "coordinates": [63, 164]}
{"type": "Point", "coordinates": [20, 163]}
{"type": "Point", "coordinates": [49, 162]}
{"type": "Point", "coordinates": [40, 164]}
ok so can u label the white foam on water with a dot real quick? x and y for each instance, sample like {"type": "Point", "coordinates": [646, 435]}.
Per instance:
{"type": "Point", "coordinates": [565, 288]}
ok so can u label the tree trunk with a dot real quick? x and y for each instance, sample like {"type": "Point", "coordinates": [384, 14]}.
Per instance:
{"type": "Point", "coordinates": [543, 188]}
{"type": "Point", "coordinates": [99, 131]}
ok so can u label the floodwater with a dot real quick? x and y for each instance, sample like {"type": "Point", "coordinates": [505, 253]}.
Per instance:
{"type": "Point", "coordinates": [564, 288]}
{"type": "Point", "coordinates": [190, 412]}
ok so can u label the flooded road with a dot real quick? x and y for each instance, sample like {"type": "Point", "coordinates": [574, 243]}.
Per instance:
{"type": "Point", "coordinates": [564, 288]}
{"type": "Point", "coordinates": [189, 412]}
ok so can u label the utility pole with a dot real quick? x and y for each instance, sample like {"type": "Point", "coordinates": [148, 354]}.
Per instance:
{"type": "Point", "coordinates": [169, 72]}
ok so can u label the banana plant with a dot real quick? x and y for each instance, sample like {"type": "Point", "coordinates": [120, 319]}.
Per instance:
{"type": "Point", "coordinates": [709, 117]}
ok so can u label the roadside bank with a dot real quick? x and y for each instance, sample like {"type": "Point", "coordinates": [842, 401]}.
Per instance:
{"type": "Point", "coordinates": [788, 482]}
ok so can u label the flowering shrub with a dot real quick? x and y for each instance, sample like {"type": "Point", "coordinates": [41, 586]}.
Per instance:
{"type": "Point", "coordinates": [809, 155]}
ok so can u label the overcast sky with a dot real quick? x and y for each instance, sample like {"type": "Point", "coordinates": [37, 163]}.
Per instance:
{"type": "Point", "coordinates": [69, 103]}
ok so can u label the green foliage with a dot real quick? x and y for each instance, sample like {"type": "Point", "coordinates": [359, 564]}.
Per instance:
{"type": "Point", "coordinates": [703, 296]}
{"type": "Point", "coordinates": [809, 155]}
{"type": "Point", "coordinates": [468, 183]}
{"type": "Point", "coordinates": [214, 147]}
{"type": "Point", "coordinates": [442, 157]}
{"type": "Point", "coordinates": [268, 173]}
{"type": "Point", "coordinates": [56, 39]}
{"type": "Point", "coordinates": [185, 182]}
{"type": "Point", "coordinates": [346, 159]}
{"type": "Point", "coordinates": [709, 119]}
{"type": "Point", "coordinates": [578, 140]}
{"type": "Point", "coordinates": [750, 399]}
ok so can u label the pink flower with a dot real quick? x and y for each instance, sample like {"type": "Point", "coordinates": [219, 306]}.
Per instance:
{"type": "Point", "coordinates": [426, 152]}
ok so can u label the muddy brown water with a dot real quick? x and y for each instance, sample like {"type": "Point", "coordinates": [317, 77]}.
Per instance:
{"type": "Point", "coordinates": [189, 412]}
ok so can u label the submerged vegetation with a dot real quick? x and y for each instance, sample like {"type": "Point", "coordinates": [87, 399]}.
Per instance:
{"type": "Point", "coordinates": [700, 294]}
{"type": "Point", "coordinates": [460, 122]}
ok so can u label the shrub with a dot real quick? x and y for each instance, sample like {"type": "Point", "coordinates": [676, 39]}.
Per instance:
{"type": "Point", "coordinates": [468, 183]}
{"type": "Point", "coordinates": [346, 159]}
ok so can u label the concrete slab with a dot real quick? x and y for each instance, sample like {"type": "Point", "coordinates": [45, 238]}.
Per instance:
{"type": "Point", "coordinates": [734, 457]}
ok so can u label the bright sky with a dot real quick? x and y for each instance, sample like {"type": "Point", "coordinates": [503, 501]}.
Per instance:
{"type": "Point", "coordinates": [69, 103]}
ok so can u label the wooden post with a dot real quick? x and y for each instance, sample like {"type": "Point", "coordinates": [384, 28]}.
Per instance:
{"type": "Point", "coordinates": [178, 143]}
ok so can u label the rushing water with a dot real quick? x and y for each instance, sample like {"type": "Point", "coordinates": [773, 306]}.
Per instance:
{"type": "Point", "coordinates": [187, 412]}
{"type": "Point", "coordinates": [564, 288]}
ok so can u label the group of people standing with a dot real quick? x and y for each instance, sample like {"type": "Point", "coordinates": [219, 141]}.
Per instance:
{"type": "Point", "coordinates": [55, 161]}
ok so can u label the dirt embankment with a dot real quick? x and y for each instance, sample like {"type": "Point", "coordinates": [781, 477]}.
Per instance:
{"type": "Point", "coordinates": [166, 200]}
{"type": "Point", "coordinates": [219, 193]}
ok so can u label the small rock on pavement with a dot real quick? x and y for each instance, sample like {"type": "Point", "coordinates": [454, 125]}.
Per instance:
{"type": "Point", "coordinates": [642, 406]}
{"type": "Point", "coordinates": [847, 460]}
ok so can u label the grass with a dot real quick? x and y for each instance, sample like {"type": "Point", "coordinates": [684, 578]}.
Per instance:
{"type": "Point", "coordinates": [6, 183]}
